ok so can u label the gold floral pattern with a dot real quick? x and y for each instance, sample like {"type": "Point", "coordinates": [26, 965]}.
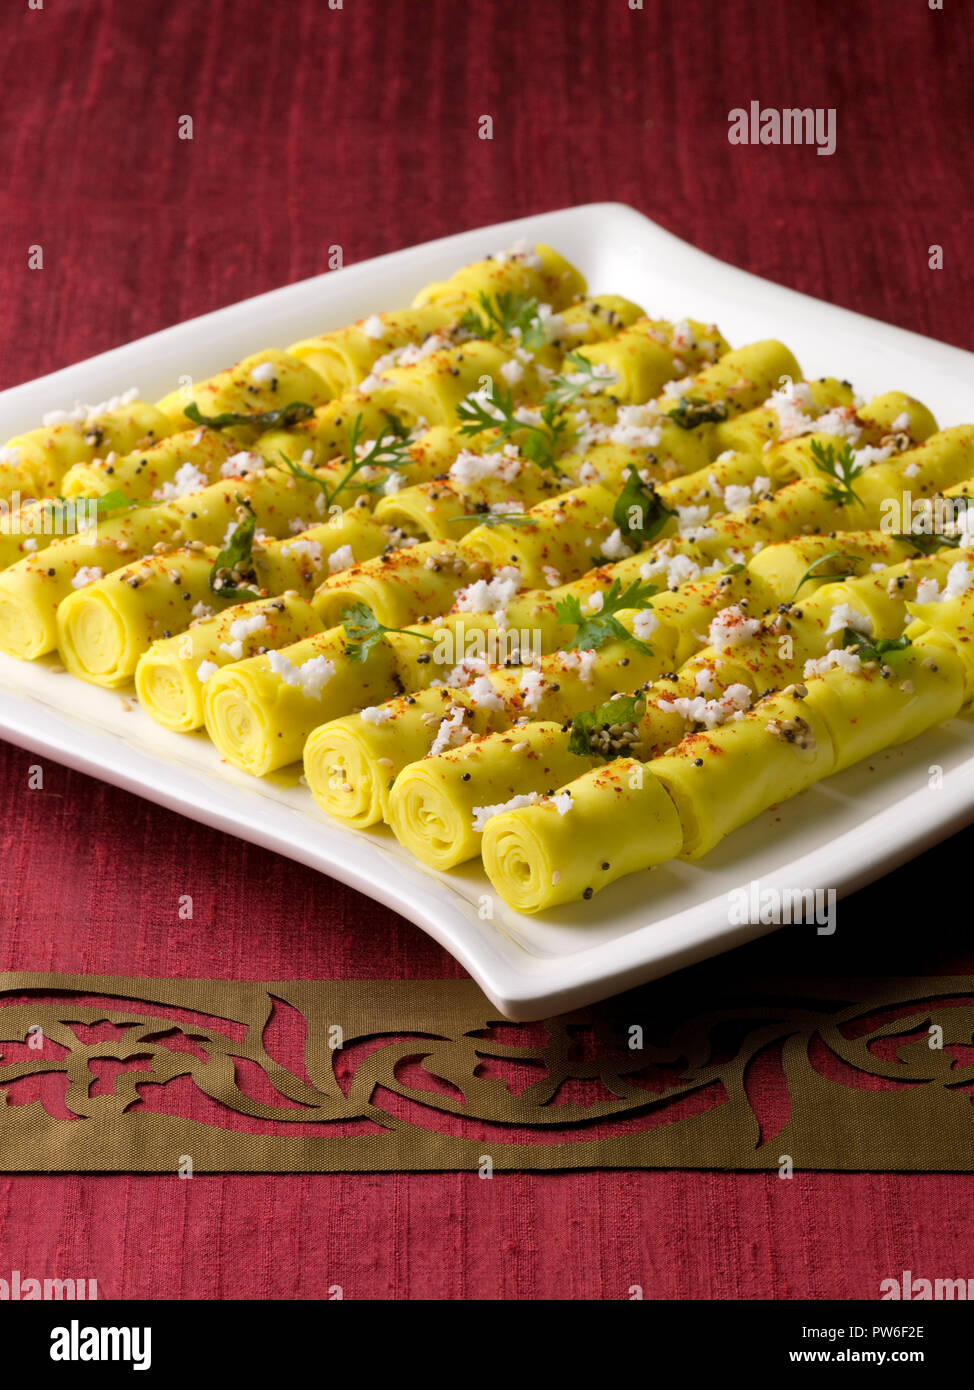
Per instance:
{"type": "Point", "coordinates": [122, 1074]}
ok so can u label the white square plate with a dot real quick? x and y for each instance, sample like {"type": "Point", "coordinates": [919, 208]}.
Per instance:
{"type": "Point", "coordinates": [840, 835]}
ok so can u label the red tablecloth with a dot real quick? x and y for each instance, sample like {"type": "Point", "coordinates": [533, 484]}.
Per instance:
{"type": "Point", "coordinates": [358, 126]}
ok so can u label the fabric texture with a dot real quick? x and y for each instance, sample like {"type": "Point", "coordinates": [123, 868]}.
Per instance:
{"type": "Point", "coordinates": [358, 127]}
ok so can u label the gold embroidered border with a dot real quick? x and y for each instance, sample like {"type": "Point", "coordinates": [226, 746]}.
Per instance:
{"type": "Point", "coordinates": [872, 1075]}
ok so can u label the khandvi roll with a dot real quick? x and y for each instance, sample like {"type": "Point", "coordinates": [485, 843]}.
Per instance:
{"type": "Point", "coordinates": [637, 437]}
{"type": "Point", "coordinates": [944, 606]}
{"type": "Point", "coordinates": [350, 763]}
{"type": "Point", "coordinates": [33, 464]}
{"type": "Point", "coordinates": [439, 806]}
{"type": "Point", "coordinates": [180, 464]}
{"type": "Point", "coordinates": [282, 505]}
{"type": "Point", "coordinates": [793, 569]}
{"type": "Point", "coordinates": [430, 390]}
{"type": "Point", "coordinates": [796, 404]}
{"type": "Point", "coordinates": [477, 485]}
{"type": "Point", "coordinates": [536, 272]}
{"type": "Point", "coordinates": [305, 559]}
{"type": "Point", "coordinates": [869, 704]}
{"type": "Point", "coordinates": [739, 380]}
{"type": "Point", "coordinates": [775, 751]}
{"type": "Point", "coordinates": [32, 589]}
{"type": "Point", "coordinates": [105, 626]}
{"type": "Point", "coordinates": [565, 534]}
{"type": "Point", "coordinates": [259, 712]}
{"type": "Point", "coordinates": [324, 436]}
{"type": "Point", "coordinates": [345, 357]}
{"type": "Point", "coordinates": [402, 587]}
{"type": "Point", "coordinates": [170, 675]}
{"type": "Point", "coordinates": [604, 824]}
{"type": "Point", "coordinates": [941, 461]}
{"type": "Point", "coordinates": [637, 363]}
{"type": "Point", "coordinates": [262, 383]}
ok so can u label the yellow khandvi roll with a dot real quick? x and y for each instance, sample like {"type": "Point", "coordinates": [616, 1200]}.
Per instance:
{"type": "Point", "coordinates": [941, 461]}
{"type": "Point", "coordinates": [170, 676]}
{"type": "Point", "coordinates": [733, 480]}
{"type": "Point", "coordinates": [564, 683]}
{"type": "Point", "coordinates": [32, 589]}
{"type": "Point", "coordinates": [722, 778]}
{"type": "Point", "coordinates": [638, 437]}
{"type": "Point", "coordinates": [810, 561]}
{"type": "Point", "coordinates": [33, 464]}
{"type": "Point", "coordinates": [350, 763]}
{"type": "Point", "coordinates": [440, 805]}
{"type": "Point", "coordinates": [566, 535]}
{"type": "Point", "coordinates": [401, 587]}
{"type": "Point", "coordinates": [867, 706]}
{"type": "Point", "coordinates": [740, 380]}
{"type": "Point", "coordinates": [448, 508]}
{"type": "Point", "coordinates": [705, 691]}
{"type": "Point", "coordinates": [325, 435]}
{"type": "Point", "coordinates": [282, 504]}
{"type": "Point", "coordinates": [597, 320]}
{"type": "Point", "coordinates": [896, 413]}
{"type": "Point", "coordinates": [105, 626]}
{"type": "Point", "coordinates": [428, 649]}
{"type": "Point", "coordinates": [604, 824]}
{"type": "Point", "coordinates": [800, 507]}
{"type": "Point", "coordinates": [346, 356]}
{"type": "Point", "coordinates": [259, 712]}
{"type": "Point", "coordinates": [263, 382]}
{"type": "Point", "coordinates": [36, 525]}
{"type": "Point", "coordinates": [533, 272]}
{"type": "Point", "coordinates": [760, 428]}
{"type": "Point", "coordinates": [638, 362]}
{"type": "Point", "coordinates": [947, 608]}
{"type": "Point", "coordinates": [686, 612]}
{"type": "Point", "coordinates": [181, 464]}
{"type": "Point", "coordinates": [302, 561]}
{"type": "Point", "coordinates": [432, 388]}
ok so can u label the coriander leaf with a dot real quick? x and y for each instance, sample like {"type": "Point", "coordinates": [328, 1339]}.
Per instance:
{"type": "Point", "coordinates": [591, 729]}
{"type": "Point", "coordinates": [587, 377]}
{"type": "Point", "coordinates": [812, 571]}
{"type": "Point", "coordinates": [264, 420]}
{"type": "Point", "coordinates": [390, 452]}
{"type": "Point", "coordinates": [498, 518]}
{"type": "Point", "coordinates": [501, 315]}
{"type": "Point", "coordinates": [639, 511]}
{"type": "Point", "coordinates": [363, 631]}
{"type": "Point", "coordinates": [234, 563]}
{"type": "Point", "coordinates": [297, 471]}
{"type": "Point", "coordinates": [691, 411]}
{"type": "Point", "coordinates": [495, 410]}
{"type": "Point", "coordinates": [841, 468]}
{"type": "Point", "coordinates": [870, 650]}
{"type": "Point", "coordinates": [64, 508]}
{"type": "Point", "coordinates": [927, 545]}
{"type": "Point", "coordinates": [595, 629]}
{"type": "Point", "coordinates": [397, 427]}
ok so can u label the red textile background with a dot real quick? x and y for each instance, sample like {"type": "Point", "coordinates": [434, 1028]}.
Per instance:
{"type": "Point", "coordinates": [358, 126]}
